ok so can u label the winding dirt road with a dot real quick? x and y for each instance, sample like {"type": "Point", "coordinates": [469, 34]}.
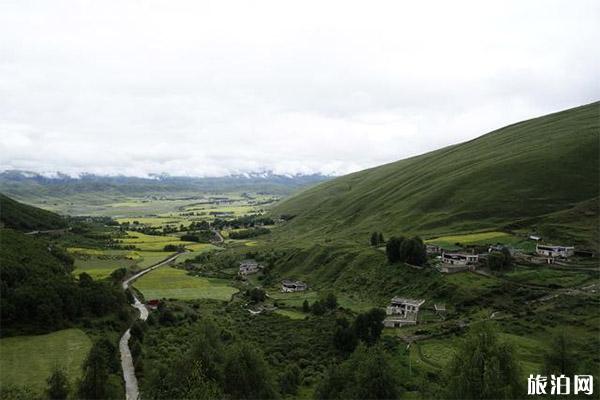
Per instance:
{"type": "Point", "coordinates": [131, 383]}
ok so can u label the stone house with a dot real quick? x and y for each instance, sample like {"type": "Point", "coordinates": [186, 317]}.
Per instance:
{"type": "Point", "coordinates": [288, 286]}
{"type": "Point", "coordinates": [402, 311]}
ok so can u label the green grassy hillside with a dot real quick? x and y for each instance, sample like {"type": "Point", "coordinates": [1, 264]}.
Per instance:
{"type": "Point", "coordinates": [516, 176]}
{"type": "Point", "coordinates": [20, 216]}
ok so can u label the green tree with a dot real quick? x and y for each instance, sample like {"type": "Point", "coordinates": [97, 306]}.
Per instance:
{"type": "Point", "coordinates": [58, 385]}
{"type": "Point", "coordinates": [367, 374]}
{"type": "Point", "coordinates": [94, 383]}
{"type": "Point", "coordinates": [246, 374]}
{"type": "Point", "coordinates": [289, 380]}
{"type": "Point", "coordinates": [368, 326]}
{"type": "Point", "coordinates": [381, 240]}
{"type": "Point", "coordinates": [330, 301]}
{"type": "Point", "coordinates": [344, 337]}
{"type": "Point", "coordinates": [374, 239]}
{"type": "Point", "coordinates": [560, 357]}
{"type": "Point", "coordinates": [392, 249]}
{"type": "Point", "coordinates": [256, 295]}
{"type": "Point", "coordinates": [413, 251]}
{"type": "Point", "coordinates": [484, 368]}
{"type": "Point", "coordinates": [305, 306]}
{"type": "Point", "coordinates": [500, 261]}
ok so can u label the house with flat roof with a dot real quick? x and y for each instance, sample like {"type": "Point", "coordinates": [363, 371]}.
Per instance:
{"type": "Point", "coordinates": [548, 250]}
{"type": "Point", "coordinates": [459, 258]}
{"type": "Point", "coordinates": [402, 311]}
{"type": "Point", "coordinates": [288, 286]}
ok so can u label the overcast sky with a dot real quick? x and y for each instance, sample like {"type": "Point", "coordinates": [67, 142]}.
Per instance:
{"type": "Point", "coordinates": [217, 87]}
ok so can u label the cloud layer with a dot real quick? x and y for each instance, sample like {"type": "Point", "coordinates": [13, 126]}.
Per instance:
{"type": "Point", "coordinates": [218, 87]}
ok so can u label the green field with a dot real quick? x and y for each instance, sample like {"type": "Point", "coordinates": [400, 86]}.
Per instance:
{"type": "Point", "coordinates": [99, 263]}
{"type": "Point", "coordinates": [99, 268]}
{"type": "Point", "coordinates": [290, 314]}
{"type": "Point", "coordinates": [29, 360]}
{"type": "Point", "coordinates": [196, 250]}
{"type": "Point", "coordinates": [172, 283]}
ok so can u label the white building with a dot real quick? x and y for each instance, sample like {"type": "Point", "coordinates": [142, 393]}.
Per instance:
{"type": "Point", "coordinates": [402, 311]}
{"type": "Point", "coordinates": [459, 258]}
{"type": "Point", "coordinates": [548, 250]}
{"type": "Point", "coordinates": [293, 286]}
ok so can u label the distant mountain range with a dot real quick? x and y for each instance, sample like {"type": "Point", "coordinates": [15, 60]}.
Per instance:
{"type": "Point", "coordinates": [31, 185]}
{"type": "Point", "coordinates": [540, 174]}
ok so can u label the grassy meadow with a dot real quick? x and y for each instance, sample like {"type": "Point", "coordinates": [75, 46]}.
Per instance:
{"type": "Point", "coordinates": [171, 283]}
{"type": "Point", "coordinates": [29, 360]}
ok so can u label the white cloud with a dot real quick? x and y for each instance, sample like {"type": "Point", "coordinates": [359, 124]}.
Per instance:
{"type": "Point", "coordinates": [215, 87]}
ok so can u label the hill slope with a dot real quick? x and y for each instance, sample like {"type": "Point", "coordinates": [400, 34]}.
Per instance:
{"type": "Point", "coordinates": [24, 217]}
{"type": "Point", "coordinates": [518, 173]}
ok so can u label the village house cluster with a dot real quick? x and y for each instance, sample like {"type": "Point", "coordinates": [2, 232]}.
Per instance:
{"type": "Point", "coordinates": [457, 261]}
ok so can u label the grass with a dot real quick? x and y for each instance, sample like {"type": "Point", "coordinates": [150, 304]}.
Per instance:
{"type": "Point", "coordinates": [151, 242]}
{"type": "Point", "coordinates": [29, 360]}
{"type": "Point", "coordinates": [99, 268]}
{"type": "Point", "coordinates": [172, 283]}
{"type": "Point", "coordinates": [438, 352]}
{"type": "Point", "coordinates": [290, 313]}
{"type": "Point", "coordinates": [547, 276]}
{"type": "Point", "coordinates": [468, 280]}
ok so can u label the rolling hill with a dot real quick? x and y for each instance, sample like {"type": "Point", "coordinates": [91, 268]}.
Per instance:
{"type": "Point", "coordinates": [23, 217]}
{"type": "Point", "coordinates": [519, 176]}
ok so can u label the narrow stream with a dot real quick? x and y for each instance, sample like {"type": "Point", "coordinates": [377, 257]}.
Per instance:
{"type": "Point", "coordinates": [131, 383]}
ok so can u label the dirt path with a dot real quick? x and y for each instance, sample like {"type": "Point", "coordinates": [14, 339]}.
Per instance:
{"type": "Point", "coordinates": [131, 383]}
{"type": "Point", "coordinates": [218, 235]}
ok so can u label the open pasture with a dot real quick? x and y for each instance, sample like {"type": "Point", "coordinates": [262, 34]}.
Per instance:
{"type": "Point", "coordinates": [29, 360]}
{"type": "Point", "coordinates": [546, 276]}
{"type": "Point", "coordinates": [100, 263]}
{"type": "Point", "coordinates": [99, 268]}
{"type": "Point", "coordinates": [171, 283]}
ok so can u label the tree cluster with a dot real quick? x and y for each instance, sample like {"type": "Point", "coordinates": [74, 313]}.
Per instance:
{"type": "Point", "coordinates": [377, 239]}
{"type": "Point", "coordinates": [367, 374]}
{"type": "Point", "coordinates": [366, 328]}
{"type": "Point", "coordinates": [500, 261]}
{"type": "Point", "coordinates": [400, 249]}
{"type": "Point", "coordinates": [101, 362]}
{"type": "Point", "coordinates": [38, 293]}
{"type": "Point", "coordinates": [484, 368]}
{"type": "Point", "coordinates": [256, 295]}
{"type": "Point", "coordinates": [211, 369]}
{"type": "Point", "coordinates": [326, 302]}
{"type": "Point", "coordinates": [200, 236]}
